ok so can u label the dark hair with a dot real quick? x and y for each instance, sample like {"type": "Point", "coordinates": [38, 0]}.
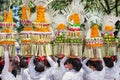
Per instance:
{"type": "Point", "coordinates": [23, 62]}
{"type": "Point", "coordinates": [35, 61]}
{"type": "Point", "coordinates": [39, 67]}
{"type": "Point", "coordinates": [108, 62]}
{"type": "Point", "coordinates": [75, 63]}
{"type": "Point", "coordinates": [97, 64]}
{"type": "Point", "coordinates": [0, 58]}
{"type": "Point", "coordinates": [58, 61]}
{"type": "Point", "coordinates": [15, 63]}
{"type": "Point", "coordinates": [47, 64]}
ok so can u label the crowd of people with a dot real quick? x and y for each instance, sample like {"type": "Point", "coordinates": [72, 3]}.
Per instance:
{"type": "Point", "coordinates": [59, 68]}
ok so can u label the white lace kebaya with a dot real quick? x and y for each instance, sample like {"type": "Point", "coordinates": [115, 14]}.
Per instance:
{"type": "Point", "coordinates": [6, 75]}
{"type": "Point", "coordinates": [91, 74]}
{"type": "Point", "coordinates": [25, 74]}
{"type": "Point", "coordinates": [43, 75]}
{"type": "Point", "coordinates": [59, 72]}
{"type": "Point", "coordinates": [112, 73]}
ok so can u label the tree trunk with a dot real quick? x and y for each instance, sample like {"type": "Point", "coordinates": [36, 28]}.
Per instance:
{"type": "Point", "coordinates": [108, 6]}
{"type": "Point", "coordinates": [116, 7]}
{"type": "Point", "coordinates": [103, 6]}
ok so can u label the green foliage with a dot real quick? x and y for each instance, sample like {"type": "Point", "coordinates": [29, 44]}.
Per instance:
{"type": "Point", "coordinates": [59, 5]}
{"type": "Point", "coordinates": [100, 5]}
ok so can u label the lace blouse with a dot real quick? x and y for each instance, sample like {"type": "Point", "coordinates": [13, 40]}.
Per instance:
{"type": "Point", "coordinates": [59, 72]}
{"type": "Point", "coordinates": [25, 74]}
{"type": "Point", "coordinates": [89, 74]}
{"type": "Point", "coordinates": [43, 75]}
{"type": "Point", "coordinates": [6, 75]}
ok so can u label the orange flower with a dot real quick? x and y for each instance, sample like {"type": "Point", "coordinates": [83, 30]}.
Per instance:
{"type": "Point", "coordinates": [40, 14]}
{"type": "Point", "coordinates": [109, 28]}
{"type": "Point", "coordinates": [46, 29]}
{"type": "Point", "coordinates": [27, 29]}
{"type": "Point", "coordinates": [38, 29]}
{"type": "Point", "coordinates": [5, 16]}
{"type": "Point", "coordinates": [26, 41]}
{"type": "Point", "coordinates": [24, 12]}
{"type": "Point", "coordinates": [7, 42]}
{"type": "Point", "coordinates": [61, 27]}
{"type": "Point", "coordinates": [94, 45]}
{"type": "Point", "coordinates": [75, 17]}
{"type": "Point", "coordinates": [10, 16]}
{"type": "Point", "coordinates": [94, 31]}
{"type": "Point", "coordinates": [7, 31]}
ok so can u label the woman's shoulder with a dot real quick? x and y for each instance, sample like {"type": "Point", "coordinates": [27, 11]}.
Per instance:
{"type": "Point", "coordinates": [26, 70]}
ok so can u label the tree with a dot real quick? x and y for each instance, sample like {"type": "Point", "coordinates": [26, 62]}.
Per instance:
{"type": "Point", "coordinates": [106, 6]}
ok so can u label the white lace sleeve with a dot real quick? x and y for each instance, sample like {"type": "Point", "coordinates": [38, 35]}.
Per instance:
{"type": "Point", "coordinates": [62, 63]}
{"type": "Point", "coordinates": [34, 74]}
{"type": "Point", "coordinates": [51, 62]}
{"type": "Point", "coordinates": [31, 68]}
{"type": "Point", "coordinates": [66, 77]}
{"type": "Point", "coordinates": [85, 67]}
{"type": "Point", "coordinates": [117, 64]}
{"type": "Point", "coordinates": [6, 66]}
{"type": "Point", "coordinates": [27, 76]}
{"type": "Point", "coordinates": [55, 58]}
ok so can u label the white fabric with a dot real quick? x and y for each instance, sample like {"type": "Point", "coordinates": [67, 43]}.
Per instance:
{"type": "Point", "coordinates": [25, 74]}
{"type": "Point", "coordinates": [112, 73]}
{"type": "Point", "coordinates": [118, 73]}
{"type": "Point", "coordinates": [43, 75]}
{"type": "Point", "coordinates": [59, 72]}
{"type": "Point", "coordinates": [72, 75]}
{"type": "Point", "coordinates": [89, 74]}
{"type": "Point", "coordinates": [6, 75]}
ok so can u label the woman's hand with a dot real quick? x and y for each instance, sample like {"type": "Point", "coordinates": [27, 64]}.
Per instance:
{"type": "Point", "coordinates": [5, 47]}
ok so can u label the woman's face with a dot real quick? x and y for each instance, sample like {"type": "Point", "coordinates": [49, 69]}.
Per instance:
{"type": "Point", "coordinates": [70, 66]}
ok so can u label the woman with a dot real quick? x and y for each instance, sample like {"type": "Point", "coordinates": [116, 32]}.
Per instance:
{"type": "Point", "coordinates": [111, 69]}
{"type": "Point", "coordinates": [8, 67]}
{"type": "Point", "coordinates": [24, 69]}
{"type": "Point", "coordinates": [74, 67]}
{"type": "Point", "coordinates": [93, 69]}
{"type": "Point", "coordinates": [39, 70]}
{"type": "Point", "coordinates": [60, 69]}
{"type": "Point", "coordinates": [1, 66]}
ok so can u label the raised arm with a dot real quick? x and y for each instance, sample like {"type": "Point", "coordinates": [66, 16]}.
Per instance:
{"type": "Point", "coordinates": [27, 75]}
{"type": "Point", "coordinates": [32, 72]}
{"type": "Point", "coordinates": [85, 67]}
{"type": "Point", "coordinates": [31, 68]}
{"type": "Point", "coordinates": [51, 62]}
{"type": "Point", "coordinates": [6, 59]}
{"type": "Point", "coordinates": [55, 58]}
{"type": "Point", "coordinates": [117, 64]}
{"type": "Point", "coordinates": [62, 63]}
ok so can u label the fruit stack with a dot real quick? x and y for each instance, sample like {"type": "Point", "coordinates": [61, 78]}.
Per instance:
{"type": "Point", "coordinates": [42, 31]}
{"type": "Point", "coordinates": [109, 39]}
{"type": "Point", "coordinates": [8, 34]}
{"type": "Point", "coordinates": [95, 40]}
{"type": "Point", "coordinates": [109, 30]}
{"type": "Point", "coordinates": [60, 23]}
{"type": "Point", "coordinates": [25, 35]}
{"type": "Point", "coordinates": [60, 36]}
{"type": "Point", "coordinates": [73, 31]}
